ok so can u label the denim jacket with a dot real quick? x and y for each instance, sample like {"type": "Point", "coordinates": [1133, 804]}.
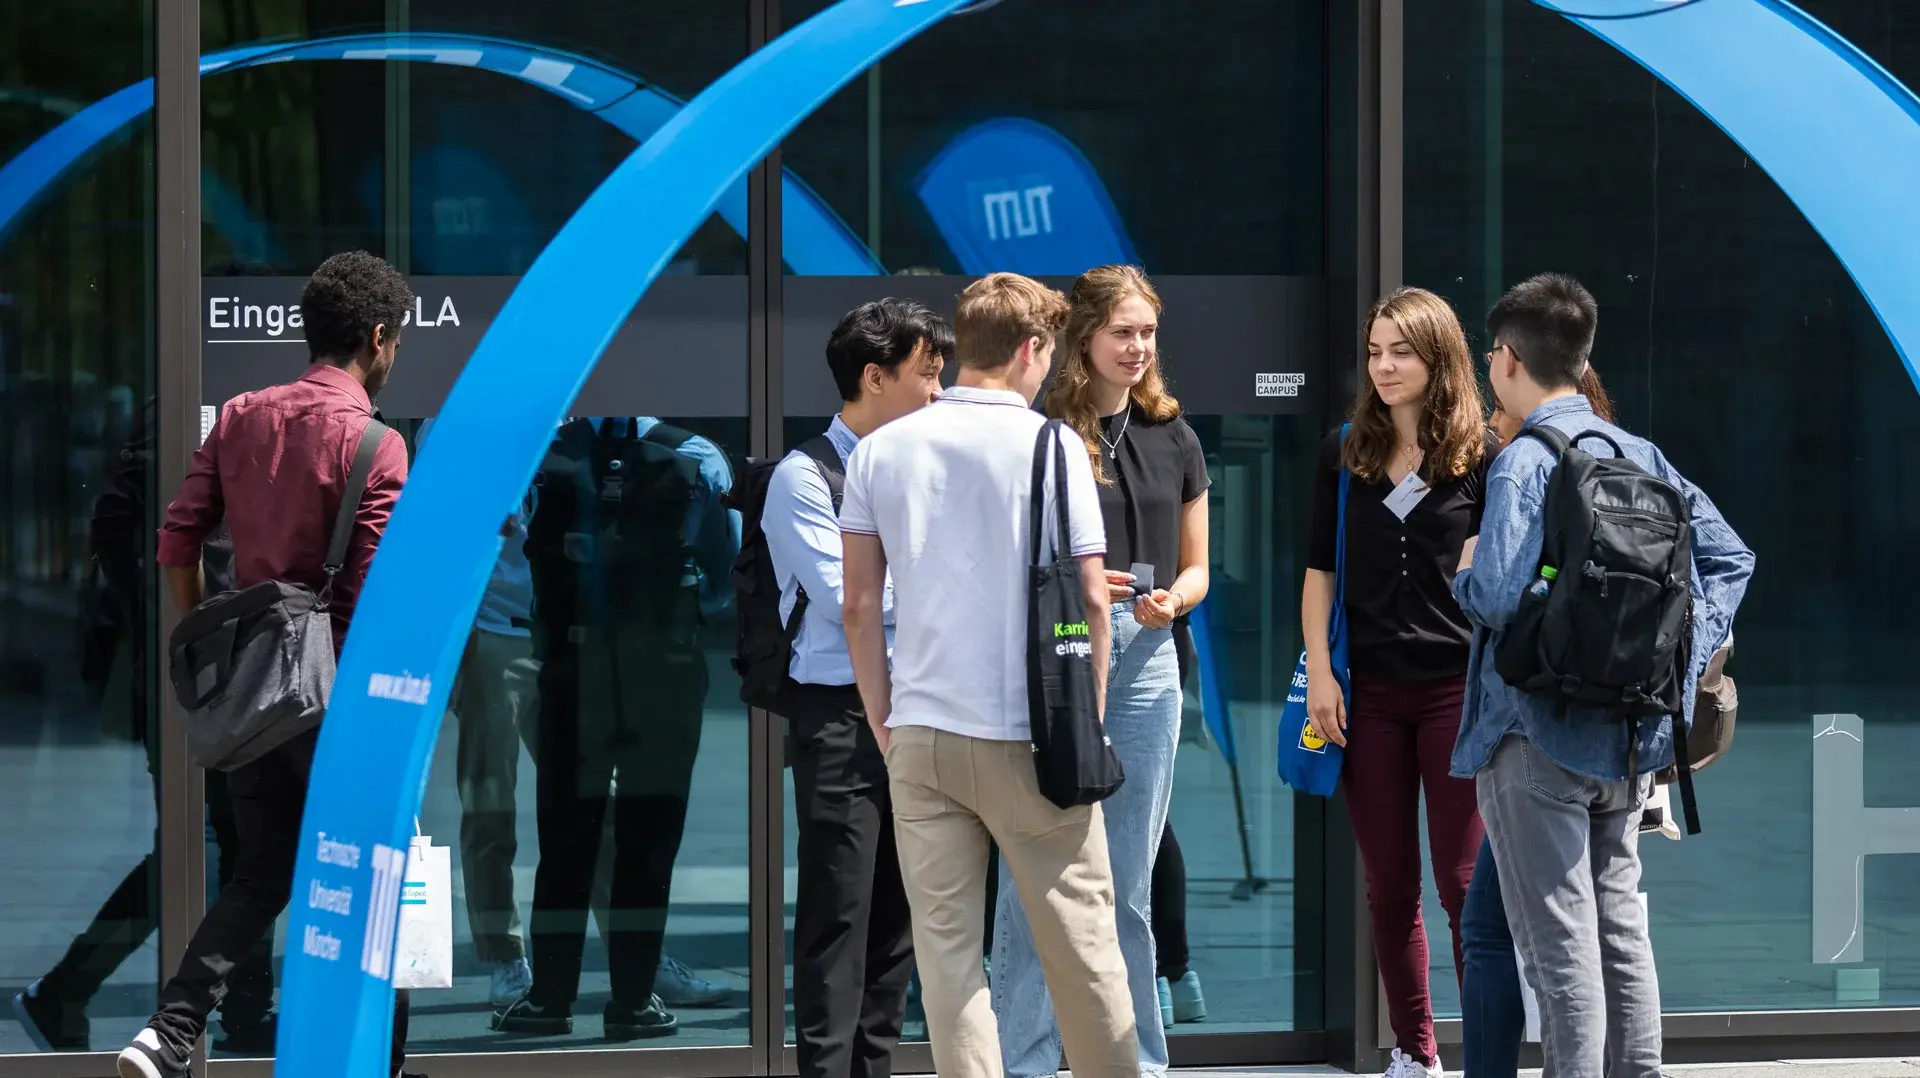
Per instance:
{"type": "Point", "coordinates": [1504, 563]}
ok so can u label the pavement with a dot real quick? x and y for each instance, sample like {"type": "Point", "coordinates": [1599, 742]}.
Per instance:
{"type": "Point", "coordinates": [1906, 1067]}
{"type": "Point", "coordinates": [1730, 908]}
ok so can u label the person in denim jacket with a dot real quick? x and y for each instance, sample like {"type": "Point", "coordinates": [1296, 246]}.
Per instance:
{"type": "Point", "coordinates": [1561, 811]}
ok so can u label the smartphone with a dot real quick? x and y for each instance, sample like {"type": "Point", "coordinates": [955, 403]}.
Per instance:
{"type": "Point", "coordinates": [1142, 578]}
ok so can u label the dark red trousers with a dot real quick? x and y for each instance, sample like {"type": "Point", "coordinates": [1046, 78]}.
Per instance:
{"type": "Point", "coordinates": [1400, 738]}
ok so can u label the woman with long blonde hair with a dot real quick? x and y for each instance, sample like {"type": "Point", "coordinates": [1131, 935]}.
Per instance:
{"type": "Point", "coordinates": [1108, 386]}
{"type": "Point", "coordinates": [1417, 451]}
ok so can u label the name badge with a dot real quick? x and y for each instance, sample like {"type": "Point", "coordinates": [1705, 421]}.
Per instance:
{"type": "Point", "coordinates": [1411, 492]}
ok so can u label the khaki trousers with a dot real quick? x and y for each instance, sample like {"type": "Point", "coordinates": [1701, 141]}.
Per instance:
{"type": "Point", "coordinates": [951, 794]}
{"type": "Point", "coordinates": [494, 702]}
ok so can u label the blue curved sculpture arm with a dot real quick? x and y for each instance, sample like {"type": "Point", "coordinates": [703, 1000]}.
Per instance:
{"type": "Point", "coordinates": [412, 620]}
{"type": "Point", "coordinates": [817, 241]}
{"type": "Point", "coordinates": [1838, 133]}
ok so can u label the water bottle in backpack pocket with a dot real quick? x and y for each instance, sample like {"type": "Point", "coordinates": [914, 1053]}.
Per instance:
{"type": "Point", "coordinates": [1604, 624]}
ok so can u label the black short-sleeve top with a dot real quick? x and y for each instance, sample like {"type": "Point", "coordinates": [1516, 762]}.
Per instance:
{"type": "Point", "coordinates": [1156, 469]}
{"type": "Point", "coordinates": [1402, 621]}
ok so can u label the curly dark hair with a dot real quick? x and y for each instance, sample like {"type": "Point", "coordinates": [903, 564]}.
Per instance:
{"type": "Point", "coordinates": [347, 296]}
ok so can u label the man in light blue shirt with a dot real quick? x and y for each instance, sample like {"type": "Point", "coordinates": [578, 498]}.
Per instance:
{"type": "Point", "coordinates": [853, 942]}
{"type": "Point", "coordinates": [1561, 790]}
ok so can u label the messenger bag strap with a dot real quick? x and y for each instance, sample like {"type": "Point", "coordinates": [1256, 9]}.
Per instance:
{"type": "Point", "coordinates": [350, 499]}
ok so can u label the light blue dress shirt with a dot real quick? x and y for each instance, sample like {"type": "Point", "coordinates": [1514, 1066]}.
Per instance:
{"type": "Point", "coordinates": [803, 536]}
{"type": "Point", "coordinates": [713, 530]}
{"type": "Point", "coordinates": [509, 595]}
{"type": "Point", "coordinates": [1504, 563]}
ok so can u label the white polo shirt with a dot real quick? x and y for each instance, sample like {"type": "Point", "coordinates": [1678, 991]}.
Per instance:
{"type": "Point", "coordinates": [946, 490]}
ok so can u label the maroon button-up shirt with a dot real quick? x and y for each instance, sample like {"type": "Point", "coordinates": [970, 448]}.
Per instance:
{"type": "Point", "coordinates": [275, 468]}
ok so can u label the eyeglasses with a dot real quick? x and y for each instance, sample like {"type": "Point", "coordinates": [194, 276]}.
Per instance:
{"type": "Point", "coordinates": [1496, 351]}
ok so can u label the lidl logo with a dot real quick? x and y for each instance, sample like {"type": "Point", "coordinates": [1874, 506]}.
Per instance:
{"type": "Point", "coordinates": [1309, 742]}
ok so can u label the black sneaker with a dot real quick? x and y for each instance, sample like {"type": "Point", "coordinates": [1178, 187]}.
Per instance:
{"type": "Point", "coordinates": [625, 1022]}
{"type": "Point", "coordinates": [53, 1026]}
{"type": "Point", "coordinates": [150, 1056]}
{"type": "Point", "coordinates": [526, 1016]}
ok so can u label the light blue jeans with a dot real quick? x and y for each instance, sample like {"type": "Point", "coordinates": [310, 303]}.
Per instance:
{"type": "Point", "coordinates": [1143, 722]}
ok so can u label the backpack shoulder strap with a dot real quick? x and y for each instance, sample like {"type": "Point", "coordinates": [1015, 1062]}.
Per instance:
{"type": "Point", "coordinates": [664, 435]}
{"type": "Point", "coordinates": [350, 497]}
{"type": "Point", "coordinates": [1549, 436]}
{"type": "Point", "coordinates": [826, 458]}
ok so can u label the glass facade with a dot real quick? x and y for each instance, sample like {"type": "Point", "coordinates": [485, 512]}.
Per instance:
{"type": "Point", "coordinates": [1732, 336]}
{"type": "Point", "coordinates": [920, 157]}
{"type": "Point", "coordinates": [79, 912]}
{"type": "Point", "coordinates": [456, 139]}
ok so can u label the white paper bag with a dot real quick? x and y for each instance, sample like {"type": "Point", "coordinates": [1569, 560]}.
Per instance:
{"type": "Point", "coordinates": [1657, 817]}
{"type": "Point", "coordinates": [1531, 1003]}
{"type": "Point", "coordinates": [423, 957]}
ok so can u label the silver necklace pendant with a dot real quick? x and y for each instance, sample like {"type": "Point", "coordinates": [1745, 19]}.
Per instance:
{"type": "Point", "coordinates": [1113, 447]}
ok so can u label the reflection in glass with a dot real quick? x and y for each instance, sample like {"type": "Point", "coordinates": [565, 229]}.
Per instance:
{"type": "Point", "coordinates": [593, 763]}
{"type": "Point", "coordinates": [630, 551]}
{"type": "Point", "coordinates": [78, 753]}
{"type": "Point", "coordinates": [452, 169]}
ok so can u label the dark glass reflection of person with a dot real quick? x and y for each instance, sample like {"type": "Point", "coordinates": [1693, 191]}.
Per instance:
{"type": "Point", "coordinates": [114, 657]}
{"type": "Point", "coordinates": [274, 470]}
{"type": "Point", "coordinates": [493, 704]}
{"type": "Point", "coordinates": [852, 930]}
{"type": "Point", "coordinates": [631, 552]}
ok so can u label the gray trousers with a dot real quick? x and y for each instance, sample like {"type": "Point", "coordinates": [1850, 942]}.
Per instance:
{"type": "Point", "coordinates": [1568, 848]}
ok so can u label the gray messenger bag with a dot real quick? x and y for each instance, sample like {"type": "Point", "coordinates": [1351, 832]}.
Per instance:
{"type": "Point", "coordinates": [254, 668]}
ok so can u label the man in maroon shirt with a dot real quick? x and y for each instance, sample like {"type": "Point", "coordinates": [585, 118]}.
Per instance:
{"type": "Point", "coordinates": [274, 468]}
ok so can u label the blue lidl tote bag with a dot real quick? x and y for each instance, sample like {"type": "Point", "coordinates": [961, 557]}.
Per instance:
{"type": "Point", "coordinates": [1310, 763]}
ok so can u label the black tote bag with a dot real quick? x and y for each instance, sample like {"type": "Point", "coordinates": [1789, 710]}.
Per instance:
{"type": "Point", "coordinates": [1074, 760]}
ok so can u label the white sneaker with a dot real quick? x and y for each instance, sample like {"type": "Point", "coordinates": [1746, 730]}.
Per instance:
{"type": "Point", "coordinates": [1405, 1066]}
{"type": "Point", "coordinates": [511, 980]}
{"type": "Point", "coordinates": [678, 986]}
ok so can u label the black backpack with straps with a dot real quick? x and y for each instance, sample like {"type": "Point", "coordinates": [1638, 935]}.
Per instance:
{"type": "Point", "coordinates": [763, 651]}
{"type": "Point", "coordinates": [1606, 623]}
{"type": "Point", "coordinates": [614, 504]}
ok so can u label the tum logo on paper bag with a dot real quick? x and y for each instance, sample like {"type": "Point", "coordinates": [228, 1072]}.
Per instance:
{"type": "Point", "coordinates": [383, 912]}
{"type": "Point", "coordinates": [1019, 214]}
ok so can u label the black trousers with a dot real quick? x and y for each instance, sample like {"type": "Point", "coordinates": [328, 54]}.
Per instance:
{"type": "Point", "coordinates": [1169, 881]}
{"type": "Point", "coordinates": [268, 796]}
{"type": "Point", "coordinates": [620, 718]}
{"type": "Point", "coordinates": [852, 931]}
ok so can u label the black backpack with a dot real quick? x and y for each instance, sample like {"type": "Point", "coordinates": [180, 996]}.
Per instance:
{"type": "Point", "coordinates": [608, 538]}
{"type": "Point", "coordinates": [1606, 622]}
{"type": "Point", "coordinates": [763, 651]}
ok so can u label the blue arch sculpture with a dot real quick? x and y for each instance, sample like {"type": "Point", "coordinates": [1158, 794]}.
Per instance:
{"type": "Point", "coordinates": [441, 545]}
{"type": "Point", "coordinates": [224, 209]}
{"type": "Point", "coordinates": [816, 240]}
{"type": "Point", "coordinates": [1836, 131]}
